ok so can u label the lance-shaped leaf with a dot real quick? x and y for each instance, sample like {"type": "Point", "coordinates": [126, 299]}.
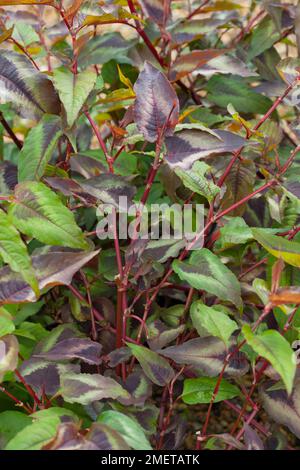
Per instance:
{"type": "Point", "coordinates": [54, 268]}
{"type": "Point", "coordinates": [283, 408]}
{"type": "Point", "coordinates": [87, 388]}
{"type": "Point", "coordinates": [205, 271]}
{"type": "Point", "coordinates": [186, 63]}
{"type": "Point", "coordinates": [38, 148]}
{"type": "Point", "coordinates": [73, 348]}
{"type": "Point", "coordinates": [189, 145]}
{"type": "Point", "coordinates": [225, 65]}
{"type": "Point", "coordinates": [14, 251]}
{"type": "Point", "coordinates": [157, 369]}
{"type": "Point", "coordinates": [30, 91]}
{"type": "Point", "coordinates": [276, 349]}
{"type": "Point", "coordinates": [108, 188]}
{"type": "Point", "coordinates": [156, 106]}
{"type": "Point", "coordinates": [208, 355]}
{"type": "Point", "coordinates": [196, 181]}
{"type": "Point", "coordinates": [212, 320]}
{"type": "Point", "coordinates": [39, 213]}
{"type": "Point", "coordinates": [279, 247]}
{"type": "Point", "coordinates": [201, 390]}
{"type": "Point", "coordinates": [131, 431]}
{"type": "Point", "coordinates": [73, 90]}
{"type": "Point", "coordinates": [9, 349]}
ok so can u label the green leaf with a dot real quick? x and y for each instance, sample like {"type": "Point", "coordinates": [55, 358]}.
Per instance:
{"type": "Point", "coordinates": [14, 251]}
{"type": "Point", "coordinates": [34, 436]}
{"type": "Point", "coordinates": [279, 247]}
{"type": "Point", "coordinates": [223, 90]}
{"type": "Point", "coordinates": [73, 90]}
{"type": "Point", "coordinates": [262, 38]}
{"type": "Point", "coordinates": [157, 369]}
{"type": "Point", "coordinates": [234, 232]}
{"type": "Point", "coordinates": [25, 34]}
{"type": "Point", "coordinates": [39, 213]}
{"type": "Point", "coordinates": [276, 349]}
{"type": "Point", "coordinates": [131, 431]}
{"type": "Point", "coordinates": [7, 325]}
{"type": "Point", "coordinates": [196, 181]}
{"type": "Point", "coordinates": [11, 422]}
{"type": "Point", "coordinates": [38, 148]}
{"type": "Point", "coordinates": [205, 271]}
{"type": "Point", "coordinates": [201, 390]}
{"type": "Point", "coordinates": [213, 321]}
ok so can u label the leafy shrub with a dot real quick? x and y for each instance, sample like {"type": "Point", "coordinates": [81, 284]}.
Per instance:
{"type": "Point", "coordinates": [128, 342]}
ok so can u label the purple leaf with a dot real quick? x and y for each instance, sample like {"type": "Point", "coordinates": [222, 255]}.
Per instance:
{"type": "Point", "coordinates": [74, 348]}
{"type": "Point", "coordinates": [282, 408]}
{"type": "Point", "coordinates": [156, 106]}
{"type": "Point", "coordinates": [207, 354]}
{"type": "Point", "coordinates": [189, 145]}
{"type": "Point", "coordinates": [252, 439]}
{"type": "Point", "coordinates": [57, 267]}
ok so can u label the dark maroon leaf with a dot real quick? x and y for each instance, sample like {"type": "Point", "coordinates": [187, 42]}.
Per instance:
{"type": "Point", "coordinates": [156, 106]}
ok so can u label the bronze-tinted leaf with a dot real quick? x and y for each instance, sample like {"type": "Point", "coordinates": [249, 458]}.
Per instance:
{"type": "Point", "coordinates": [286, 295]}
{"type": "Point", "coordinates": [156, 106]}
